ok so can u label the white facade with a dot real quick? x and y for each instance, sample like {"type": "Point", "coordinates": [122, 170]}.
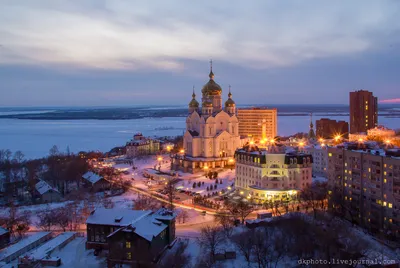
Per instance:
{"type": "Point", "coordinates": [212, 132]}
{"type": "Point", "coordinates": [264, 175]}
{"type": "Point", "coordinates": [320, 159]}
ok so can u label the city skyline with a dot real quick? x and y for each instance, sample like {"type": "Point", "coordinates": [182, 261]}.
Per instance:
{"type": "Point", "coordinates": [125, 53]}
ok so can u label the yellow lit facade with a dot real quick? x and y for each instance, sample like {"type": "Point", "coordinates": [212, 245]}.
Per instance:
{"type": "Point", "coordinates": [258, 123]}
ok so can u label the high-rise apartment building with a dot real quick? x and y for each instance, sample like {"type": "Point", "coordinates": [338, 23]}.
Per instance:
{"type": "Point", "coordinates": [365, 184]}
{"type": "Point", "coordinates": [258, 123]}
{"type": "Point", "coordinates": [329, 129]}
{"type": "Point", "coordinates": [363, 111]}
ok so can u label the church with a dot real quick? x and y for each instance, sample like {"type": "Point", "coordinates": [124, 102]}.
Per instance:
{"type": "Point", "coordinates": [212, 131]}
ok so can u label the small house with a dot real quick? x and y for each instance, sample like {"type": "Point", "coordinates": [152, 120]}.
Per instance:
{"type": "Point", "coordinates": [95, 182]}
{"type": "Point", "coordinates": [47, 193]}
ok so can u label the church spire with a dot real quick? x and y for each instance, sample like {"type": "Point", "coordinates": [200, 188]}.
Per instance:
{"type": "Point", "coordinates": [194, 94]}
{"type": "Point", "coordinates": [211, 75]}
{"type": "Point", "coordinates": [229, 94]}
{"type": "Point", "coordinates": [311, 133]}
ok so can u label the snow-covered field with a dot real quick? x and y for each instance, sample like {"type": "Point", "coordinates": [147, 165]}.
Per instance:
{"type": "Point", "coordinates": [226, 177]}
{"type": "Point", "coordinates": [36, 137]}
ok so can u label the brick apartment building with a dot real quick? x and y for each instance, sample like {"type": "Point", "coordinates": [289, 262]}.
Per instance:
{"type": "Point", "coordinates": [328, 128]}
{"type": "Point", "coordinates": [363, 111]}
{"type": "Point", "coordinates": [366, 184]}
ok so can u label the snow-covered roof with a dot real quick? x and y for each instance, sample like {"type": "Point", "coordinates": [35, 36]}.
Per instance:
{"type": "Point", "coordinates": [115, 217]}
{"type": "Point", "coordinates": [43, 187]}
{"type": "Point", "coordinates": [49, 246]}
{"type": "Point", "coordinates": [3, 231]}
{"type": "Point", "coordinates": [22, 244]}
{"type": "Point", "coordinates": [92, 177]}
{"type": "Point", "coordinates": [144, 223]}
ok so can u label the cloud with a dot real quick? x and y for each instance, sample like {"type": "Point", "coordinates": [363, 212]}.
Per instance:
{"type": "Point", "coordinates": [160, 35]}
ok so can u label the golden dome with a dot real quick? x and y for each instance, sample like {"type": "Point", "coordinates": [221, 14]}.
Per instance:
{"type": "Point", "coordinates": [194, 103]}
{"type": "Point", "coordinates": [229, 102]}
{"type": "Point", "coordinates": [207, 104]}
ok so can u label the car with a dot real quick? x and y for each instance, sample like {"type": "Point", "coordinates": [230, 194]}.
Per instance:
{"type": "Point", "coordinates": [177, 198]}
{"type": "Point", "coordinates": [204, 212]}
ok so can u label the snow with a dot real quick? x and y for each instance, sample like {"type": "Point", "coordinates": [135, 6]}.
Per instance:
{"type": "Point", "coordinates": [91, 177]}
{"type": "Point", "coordinates": [22, 244]}
{"type": "Point", "coordinates": [227, 177]}
{"type": "Point", "coordinates": [108, 216]}
{"type": "Point", "coordinates": [45, 249]}
{"type": "Point", "coordinates": [3, 231]}
{"type": "Point", "coordinates": [75, 255]}
{"type": "Point", "coordinates": [149, 227]}
{"type": "Point", "coordinates": [43, 187]}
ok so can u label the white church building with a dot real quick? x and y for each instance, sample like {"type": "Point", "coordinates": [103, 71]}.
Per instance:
{"type": "Point", "coordinates": [212, 131]}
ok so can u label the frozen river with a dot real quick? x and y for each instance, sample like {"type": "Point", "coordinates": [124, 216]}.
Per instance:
{"type": "Point", "coordinates": [35, 137]}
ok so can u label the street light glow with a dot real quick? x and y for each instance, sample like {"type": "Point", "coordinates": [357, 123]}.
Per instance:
{"type": "Point", "coordinates": [251, 142]}
{"type": "Point", "coordinates": [159, 158]}
{"type": "Point", "coordinates": [182, 151]}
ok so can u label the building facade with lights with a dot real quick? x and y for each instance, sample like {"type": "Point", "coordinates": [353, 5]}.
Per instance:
{"type": "Point", "coordinates": [320, 158]}
{"type": "Point", "coordinates": [212, 131]}
{"type": "Point", "coordinates": [363, 111]}
{"type": "Point", "coordinates": [271, 174]}
{"type": "Point", "coordinates": [329, 129]}
{"type": "Point", "coordinates": [141, 145]}
{"type": "Point", "coordinates": [365, 184]}
{"type": "Point", "coordinates": [258, 123]}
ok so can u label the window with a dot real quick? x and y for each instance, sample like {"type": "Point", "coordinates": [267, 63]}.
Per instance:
{"type": "Point", "coordinates": [128, 244]}
{"type": "Point", "coordinates": [129, 255]}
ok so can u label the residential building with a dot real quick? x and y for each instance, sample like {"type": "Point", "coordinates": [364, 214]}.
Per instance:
{"type": "Point", "coordinates": [381, 132]}
{"type": "Point", "coordinates": [4, 237]}
{"type": "Point", "coordinates": [212, 132]}
{"type": "Point", "coordinates": [363, 111]}
{"type": "Point", "coordinates": [141, 145]}
{"type": "Point", "coordinates": [95, 182]}
{"type": "Point", "coordinates": [320, 158]}
{"type": "Point", "coordinates": [329, 129]}
{"type": "Point", "coordinates": [366, 184]}
{"type": "Point", "coordinates": [133, 237]}
{"type": "Point", "coordinates": [258, 123]}
{"type": "Point", "coordinates": [46, 193]}
{"type": "Point", "coordinates": [141, 243]}
{"type": "Point", "coordinates": [271, 174]}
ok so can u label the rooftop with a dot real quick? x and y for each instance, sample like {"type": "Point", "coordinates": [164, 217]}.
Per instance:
{"type": "Point", "coordinates": [92, 177]}
{"type": "Point", "coordinates": [116, 217]}
{"type": "Point", "coordinates": [3, 231]}
{"type": "Point", "coordinates": [43, 187]}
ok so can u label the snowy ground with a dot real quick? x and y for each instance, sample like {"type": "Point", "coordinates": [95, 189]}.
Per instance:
{"type": "Point", "coordinates": [226, 176]}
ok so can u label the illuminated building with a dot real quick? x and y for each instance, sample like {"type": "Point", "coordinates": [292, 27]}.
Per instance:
{"type": "Point", "coordinates": [367, 183]}
{"type": "Point", "coordinates": [273, 174]}
{"type": "Point", "coordinates": [320, 158]}
{"type": "Point", "coordinates": [328, 128]}
{"type": "Point", "coordinates": [212, 132]}
{"type": "Point", "coordinates": [258, 123]}
{"type": "Point", "coordinates": [141, 145]}
{"type": "Point", "coordinates": [363, 111]}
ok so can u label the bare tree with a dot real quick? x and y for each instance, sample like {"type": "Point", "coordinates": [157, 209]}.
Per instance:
{"type": "Point", "coordinates": [62, 218]}
{"type": "Point", "coordinates": [170, 192]}
{"type": "Point", "coordinates": [224, 219]}
{"type": "Point", "coordinates": [178, 258]}
{"type": "Point", "coordinates": [18, 157]}
{"type": "Point", "coordinates": [54, 151]}
{"type": "Point", "coordinates": [262, 248]}
{"type": "Point", "coordinates": [47, 219]}
{"type": "Point", "coordinates": [210, 239]}
{"type": "Point", "coordinates": [244, 243]}
{"type": "Point", "coordinates": [143, 202]}
{"type": "Point", "coordinates": [107, 203]}
{"type": "Point", "coordinates": [15, 222]}
{"type": "Point", "coordinates": [182, 216]}
{"type": "Point", "coordinates": [240, 209]}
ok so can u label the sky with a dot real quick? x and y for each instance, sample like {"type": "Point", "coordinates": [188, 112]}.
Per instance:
{"type": "Point", "coordinates": [103, 52]}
